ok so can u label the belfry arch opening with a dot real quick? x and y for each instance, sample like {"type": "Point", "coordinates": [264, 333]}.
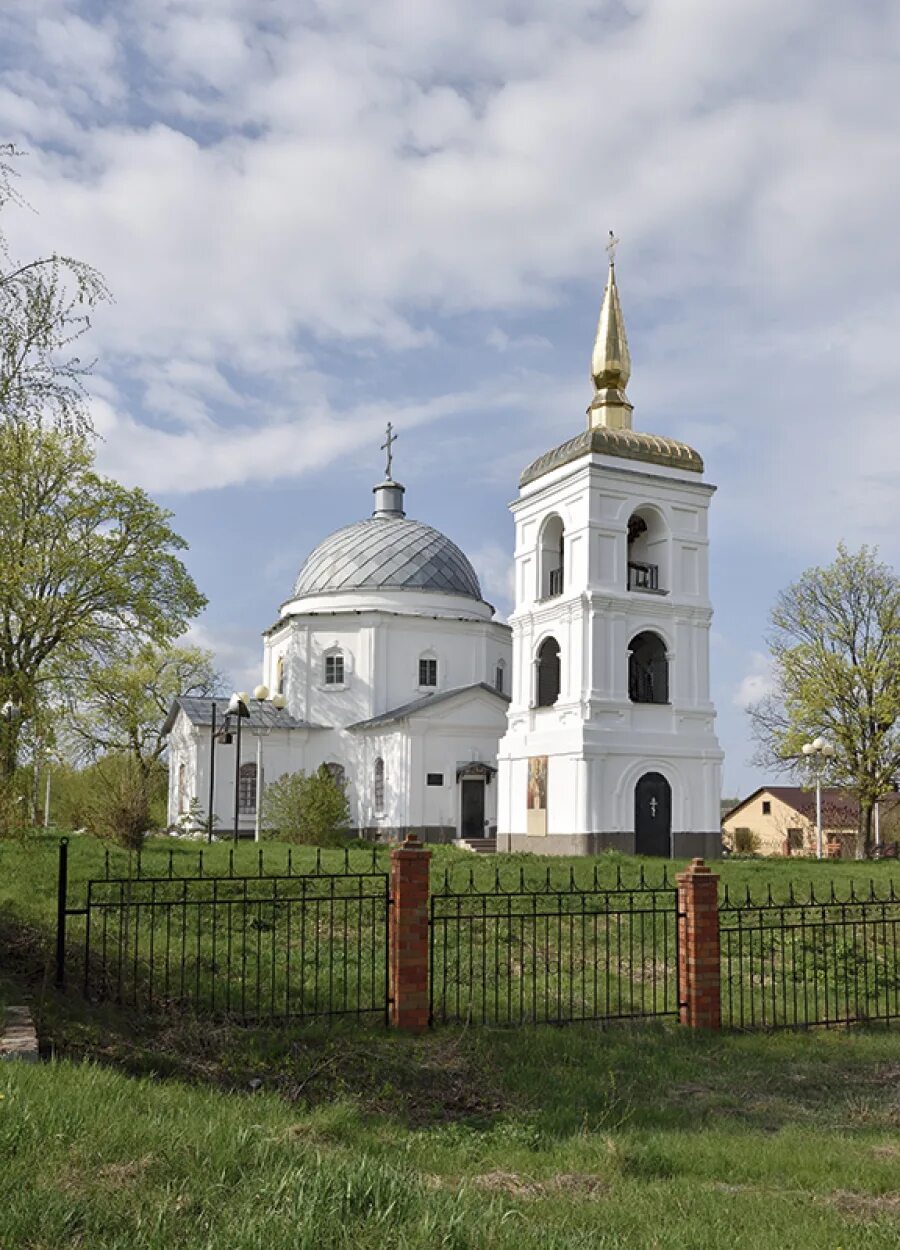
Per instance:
{"type": "Point", "coordinates": [547, 673]}
{"type": "Point", "coordinates": [648, 549]}
{"type": "Point", "coordinates": [552, 557]}
{"type": "Point", "coordinates": [648, 669]}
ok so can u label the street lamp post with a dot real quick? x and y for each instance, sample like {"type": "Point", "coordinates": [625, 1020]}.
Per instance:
{"type": "Point", "coordinates": [260, 731]}
{"type": "Point", "coordinates": [818, 753]}
{"type": "Point", "coordinates": [238, 708]}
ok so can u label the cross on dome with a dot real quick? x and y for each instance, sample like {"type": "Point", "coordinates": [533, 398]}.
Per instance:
{"type": "Point", "coordinates": [387, 446]}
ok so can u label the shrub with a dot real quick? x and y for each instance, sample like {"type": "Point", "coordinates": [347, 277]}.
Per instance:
{"type": "Point", "coordinates": [119, 804]}
{"type": "Point", "coordinates": [746, 842]}
{"type": "Point", "coordinates": [312, 810]}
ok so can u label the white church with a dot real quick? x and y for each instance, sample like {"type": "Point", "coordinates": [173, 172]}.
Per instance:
{"type": "Point", "coordinates": [585, 724]}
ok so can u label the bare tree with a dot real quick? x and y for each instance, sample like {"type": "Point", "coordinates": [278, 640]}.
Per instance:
{"type": "Point", "coordinates": [45, 307]}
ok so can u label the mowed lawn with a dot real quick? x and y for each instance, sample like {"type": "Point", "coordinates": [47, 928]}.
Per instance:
{"type": "Point", "coordinates": [537, 1137]}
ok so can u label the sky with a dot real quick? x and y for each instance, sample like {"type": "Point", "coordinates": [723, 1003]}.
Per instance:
{"type": "Point", "coordinates": [316, 217]}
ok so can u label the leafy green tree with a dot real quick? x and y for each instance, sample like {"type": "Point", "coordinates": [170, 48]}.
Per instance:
{"type": "Point", "coordinates": [45, 307]}
{"type": "Point", "coordinates": [309, 809]}
{"type": "Point", "coordinates": [123, 705]}
{"type": "Point", "coordinates": [88, 572]}
{"type": "Point", "coordinates": [835, 647]}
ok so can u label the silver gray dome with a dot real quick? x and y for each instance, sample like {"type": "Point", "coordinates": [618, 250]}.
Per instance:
{"type": "Point", "coordinates": [387, 553]}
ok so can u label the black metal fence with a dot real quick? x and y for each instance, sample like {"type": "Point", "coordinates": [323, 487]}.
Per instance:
{"type": "Point", "coordinates": [265, 946]}
{"type": "Point", "coordinates": [810, 960]}
{"type": "Point", "coordinates": [509, 948]}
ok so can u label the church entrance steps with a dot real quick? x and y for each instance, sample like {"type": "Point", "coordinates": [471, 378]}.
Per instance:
{"type": "Point", "coordinates": [481, 846]}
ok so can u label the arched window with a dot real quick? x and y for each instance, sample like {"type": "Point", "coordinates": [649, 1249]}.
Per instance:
{"type": "Point", "coordinates": [247, 789]}
{"type": "Point", "coordinates": [379, 784]}
{"type": "Point", "coordinates": [547, 665]}
{"type": "Point", "coordinates": [552, 547]}
{"type": "Point", "coordinates": [500, 676]}
{"type": "Point", "coordinates": [334, 667]}
{"type": "Point", "coordinates": [428, 671]}
{"type": "Point", "coordinates": [337, 773]}
{"type": "Point", "coordinates": [279, 676]}
{"type": "Point", "coordinates": [648, 544]}
{"type": "Point", "coordinates": [182, 788]}
{"type": "Point", "coordinates": [648, 669]}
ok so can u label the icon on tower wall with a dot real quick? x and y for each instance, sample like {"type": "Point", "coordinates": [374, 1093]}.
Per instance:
{"type": "Point", "coordinates": [537, 794]}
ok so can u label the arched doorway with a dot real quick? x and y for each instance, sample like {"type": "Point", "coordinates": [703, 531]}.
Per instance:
{"type": "Point", "coordinates": [652, 815]}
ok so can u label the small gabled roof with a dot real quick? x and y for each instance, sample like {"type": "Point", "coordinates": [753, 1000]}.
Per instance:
{"type": "Point", "coordinates": [840, 809]}
{"type": "Point", "coordinates": [425, 703]}
{"type": "Point", "coordinates": [198, 710]}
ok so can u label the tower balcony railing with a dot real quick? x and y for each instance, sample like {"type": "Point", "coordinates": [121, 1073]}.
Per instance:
{"type": "Point", "coordinates": [643, 576]}
{"type": "Point", "coordinates": [556, 583]}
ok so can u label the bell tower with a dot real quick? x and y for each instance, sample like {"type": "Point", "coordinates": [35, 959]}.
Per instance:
{"type": "Point", "coordinates": [611, 732]}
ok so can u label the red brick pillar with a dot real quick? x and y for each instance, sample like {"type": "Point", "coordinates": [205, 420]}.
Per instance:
{"type": "Point", "coordinates": [699, 968]}
{"type": "Point", "coordinates": [409, 936]}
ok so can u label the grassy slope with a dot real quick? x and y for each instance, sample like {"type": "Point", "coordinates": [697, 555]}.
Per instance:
{"type": "Point", "coordinates": [534, 1137]}
{"type": "Point", "coordinates": [560, 1138]}
{"type": "Point", "coordinates": [28, 868]}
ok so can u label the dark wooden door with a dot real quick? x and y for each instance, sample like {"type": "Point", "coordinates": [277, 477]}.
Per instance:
{"type": "Point", "coordinates": [652, 815]}
{"type": "Point", "coordinates": [473, 809]}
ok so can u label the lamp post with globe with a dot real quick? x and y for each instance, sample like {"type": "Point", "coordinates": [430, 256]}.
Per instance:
{"type": "Point", "coordinates": [818, 753]}
{"type": "Point", "coordinates": [238, 707]}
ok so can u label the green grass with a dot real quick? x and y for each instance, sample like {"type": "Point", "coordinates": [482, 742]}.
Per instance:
{"type": "Point", "coordinates": [535, 1138]}
{"type": "Point", "coordinates": [151, 1131]}
{"type": "Point", "coordinates": [257, 956]}
{"type": "Point", "coordinates": [28, 868]}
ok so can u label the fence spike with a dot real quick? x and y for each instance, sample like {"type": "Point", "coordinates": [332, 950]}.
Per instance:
{"type": "Point", "coordinates": [231, 861]}
{"type": "Point", "coordinates": [726, 901]}
{"type": "Point", "coordinates": [106, 864]}
{"type": "Point", "coordinates": [259, 858]}
{"type": "Point", "coordinates": [833, 898]}
{"type": "Point", "coordinates": [852, 892]}
{"type": "Point", "coordinates": [790, 897]}
{"type": "Point", "coordinates": [290, 861]}
{"type": "Point", "coordinates": [200, 864]}
{"type": "Point", "coordinates": [748, 900]}
{"type": "Point", "coordinates": [171, 854]}
{"type": "Point", "coordinates": [318, 860]}
{"type": "Point", "coordinates": [641, 880]}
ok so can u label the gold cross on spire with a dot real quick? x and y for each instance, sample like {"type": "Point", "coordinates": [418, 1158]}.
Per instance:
{"type": "Point", "coordinates": [611, 247]}
{"type": "Point", "coordinates": [387, 446]}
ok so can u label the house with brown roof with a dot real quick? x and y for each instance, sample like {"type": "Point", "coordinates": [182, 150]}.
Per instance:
{"type": "Point", "coordinates": [781, 820]}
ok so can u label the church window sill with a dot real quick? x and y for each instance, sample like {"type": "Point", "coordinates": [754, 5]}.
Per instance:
{"type": "Point", "coordinates": [335, 686]}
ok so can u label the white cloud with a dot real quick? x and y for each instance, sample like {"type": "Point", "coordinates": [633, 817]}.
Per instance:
{"type": "Point", "coordinates": [237, 653]}
{"type": "Point", "coordinates": [756, 684]}
{"type": "Point", "coordinates": [262, 187]}
{"type": "Point", "coordinates": [497, 577]}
